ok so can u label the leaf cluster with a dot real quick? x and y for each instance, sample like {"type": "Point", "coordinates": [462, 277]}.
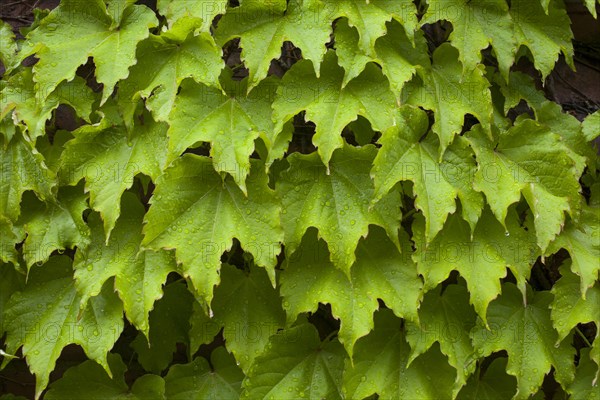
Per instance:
{"type": "Point", "coordinates": [352, 208]}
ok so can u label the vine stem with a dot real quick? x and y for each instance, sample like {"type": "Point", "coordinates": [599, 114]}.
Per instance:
{"type": "Point", "coordinates": [182, 279]}
{"type": "Point", "coordinates": [587, 342]}
{"type": "Point", "coordinates": [408, 214]}
{"type": "Point", "coordinates": [330, 336]}
{"type": "Point", "coordinates": [15, 381]}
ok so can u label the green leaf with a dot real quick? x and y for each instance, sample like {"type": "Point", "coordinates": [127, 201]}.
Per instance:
{"type": "Point", "coordinates": [519, 86]}
{"type": "Point", "coordinates": [546, 35]}
{"type": "Point", "coordinates": [8, 239]}
{"type": "Point", "coordinates": [297, 364]}
{"type": "Point", "coordinates": [585, 385]}
{"type": "Point", "coordinates": [38, 15]}
{"type": "Point", "coordinates": [207, 10]}
{"type": "Point", "coordinates": [89, 381]}
{"type": "Point", "coordinates": [521, 326]}
{"type": "Point", "coordinates": [230, 123]}
{"type": "Point", "coordinates": [54, 225]}
{"type": "Point", "coordinates": [32, 107]}
{"type": "Point", "coordinates": [481, 258]}
{"type": "Point", "coordinates": [582, 241]}
{"type": "Point", "coordinates": [568, 308]}
{"type": "Point", "coordinates": [476, 24]}
{"type": "Point", "coordinates": [11, 281]}
{"type": "Point", "coordinates": [8, 47]}
{"type": "Point", "coordinates": [249, 308]}
{"type": "Point", "coordinates": [108, 158]}
{"type": "Point", "coordinates": [139, 275]}
{"type": "Point", "coordinates": [164, 62]}
{"type": "Point", "coordinates": [386, 145]}
{"type": "Point", "coordinates": [570, 130]}
{"type": "Point", "coordinates": [591, 126]}
{"type": "Point", "coordinates": [545, 4]}
{"type": "Point", "coordinates": [222, 379]}
{"type": "Point", "coordinates": [263, 27]}
{"type": "Point", "coordinates": [445, 318]}
{"type": "Point", "coordinates": [22, 168]}
{"type": "Point", "coordinates": [399, 58]}
{"type": "Point", "coordinates": [381, 365]}
{"type": "Point", "coordinates": [594, 184]}
{"type": "Point", "coordinates": [7, 127]}
{"type": "Point", "coordinates": [169, 325]}
{"type": "Point", "coordinates": [276, 144]}
{"type": "Point", "coordinates": [370, 17]}
{"type": "Point", "coordinates": [363, 133]}
{"type": "Point", "coordinates": [196, 212]}
{"type": "Point", "coordinates": [531, 160]}
{"type": "Point", "coordinates": [45, 317]}
{"type": "Point", "coordinates": [329, 104]}
{"type": "Point", "coordinates": [494, 384]}
{"type": "Point", "coordinates": [203, 328]}
{"type": "Point", "coordinates": [405, 155]}
{"type": "Point", "coordinates": [53, 151]}
{"type": "Point", "coordinates": [523, 87]}
{"type": "Point", "coordinates": [76, 30]}
{"type": "Point", "coordinates": [450, 94]}
{"type": "Point", "coordinates": [337, 204]}
{"type": "Point", "coordinates": [591, 5]}
{"type": "Point", "coordinates": [379, 272]}
{"type": "Point", "coordinates": [595, 356]}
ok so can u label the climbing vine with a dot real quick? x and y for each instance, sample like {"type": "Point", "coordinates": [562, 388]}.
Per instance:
{"type": "Point", "coordinates": [276, 200]}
